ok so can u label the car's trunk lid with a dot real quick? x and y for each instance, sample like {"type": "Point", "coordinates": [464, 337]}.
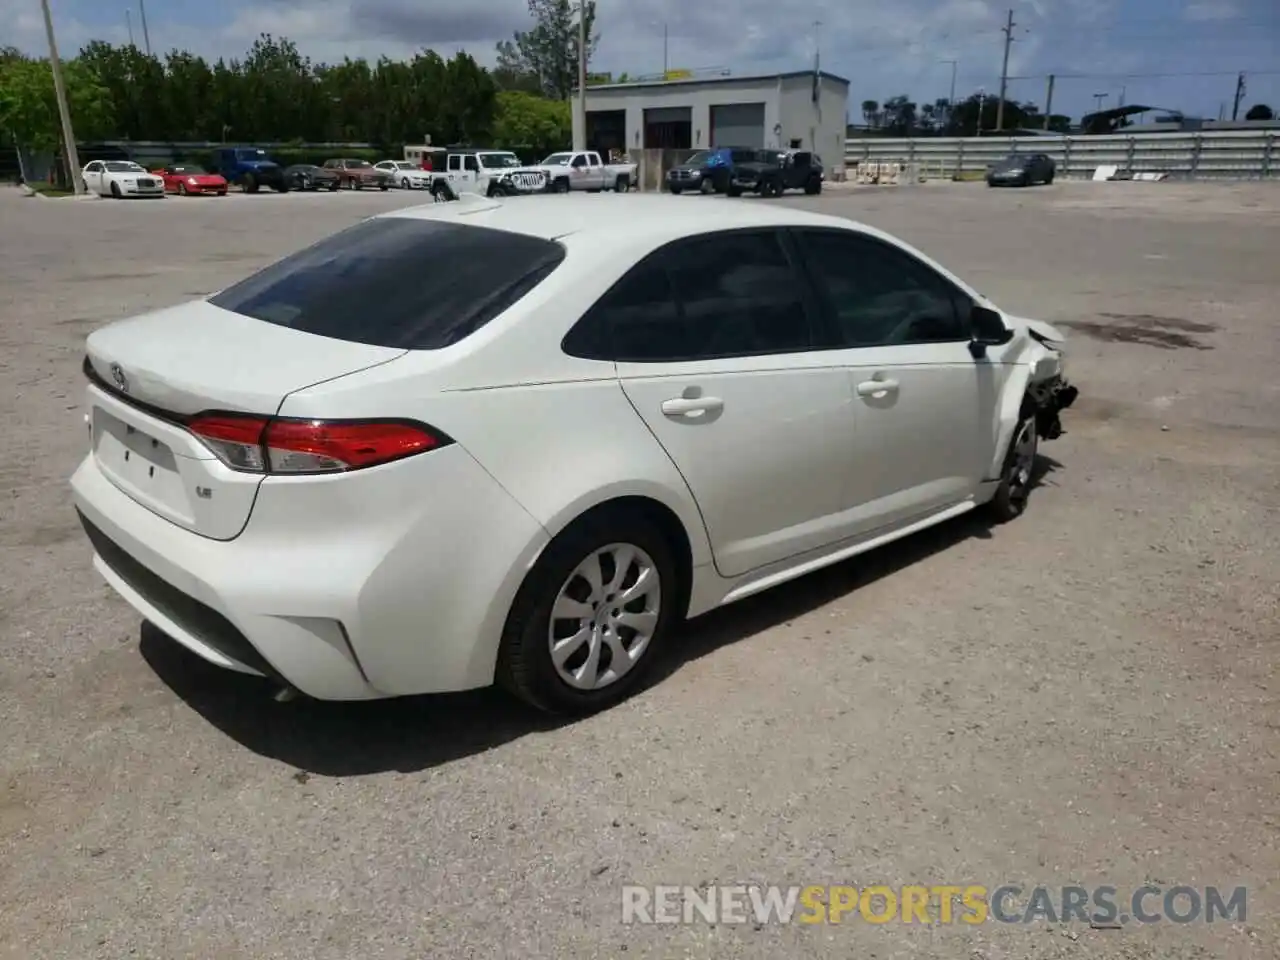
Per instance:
{"type": "Point", "coordinates": [150, 374]}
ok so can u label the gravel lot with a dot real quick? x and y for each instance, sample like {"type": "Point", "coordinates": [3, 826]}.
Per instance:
{"type": "Point", "coordinates": [1087, 695]}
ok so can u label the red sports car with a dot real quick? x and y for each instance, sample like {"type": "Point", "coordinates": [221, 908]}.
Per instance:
{"type": "Point", "coordinates": [191, 178]}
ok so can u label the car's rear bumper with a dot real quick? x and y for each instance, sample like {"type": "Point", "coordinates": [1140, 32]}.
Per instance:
{"type": "Point", "coordinates": [393, 581]}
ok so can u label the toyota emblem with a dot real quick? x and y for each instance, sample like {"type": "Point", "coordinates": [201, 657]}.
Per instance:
{"type": "Point", "coordinates": [117, 374]}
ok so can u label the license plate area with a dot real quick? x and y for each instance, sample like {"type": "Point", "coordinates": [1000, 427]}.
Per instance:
{"type": "Point", "coordinates": [141, 465]}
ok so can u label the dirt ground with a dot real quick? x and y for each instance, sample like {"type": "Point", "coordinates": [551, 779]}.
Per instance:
{"type": "Point", "coordinates": [1085, 696]}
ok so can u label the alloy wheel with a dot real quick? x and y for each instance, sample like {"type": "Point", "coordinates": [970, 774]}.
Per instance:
{"type": "Point", "coordinates": [604, 616]}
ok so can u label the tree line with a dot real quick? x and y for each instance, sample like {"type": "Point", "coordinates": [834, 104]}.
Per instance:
{"type": "Point", "coordinates": [275, 94]}
{"type": "Point", "coordinates": [901, 117]}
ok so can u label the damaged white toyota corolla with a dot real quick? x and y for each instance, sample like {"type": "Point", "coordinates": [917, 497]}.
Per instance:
{"type": "Point", "coordinates": [523, 441]}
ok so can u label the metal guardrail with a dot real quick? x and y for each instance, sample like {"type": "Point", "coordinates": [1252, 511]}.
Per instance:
{"type": "Point", "coordinates": [1220, 155]}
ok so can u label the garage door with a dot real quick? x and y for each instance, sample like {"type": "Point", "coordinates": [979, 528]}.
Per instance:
{"type": "Point", "coordinates": [737, 125]}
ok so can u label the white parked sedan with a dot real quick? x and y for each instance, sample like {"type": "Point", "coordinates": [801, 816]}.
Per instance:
{"type": "Point", "coordinates": [405, 174]}
{"type": "Point", "coordinates": [530, 463]}
{"type": "Point", "coordinates": [120, 178]}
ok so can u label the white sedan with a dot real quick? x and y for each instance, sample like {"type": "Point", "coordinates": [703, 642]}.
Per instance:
{"type": "Point", "coordinates": [405, 174]}
{"type": "Point", "coordinates": [530, 463]}
{"type": "Point", "coordinates": [120, 178]}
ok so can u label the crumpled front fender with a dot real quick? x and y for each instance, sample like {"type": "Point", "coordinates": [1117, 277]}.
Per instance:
{"type": "Point", "coordinates": [1038, 358]}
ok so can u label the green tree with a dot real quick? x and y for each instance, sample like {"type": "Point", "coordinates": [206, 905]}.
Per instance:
{"type": "Point", "coordinates": [871, 113]}
{"type": "Point", "coordinates": [135, 83]}
{"type": "Point", "coordinates": [467, 101]}
{"type": "Point", "coordinates": [964, 119]}
{"type": "Point", "coordinates": [545, 57]}
{"type": "Point", "coordinates": [899, 116]}
{"type": "Point", "coordinates": [526, 121]}
{"type": "Point", "coordinates": [1260, 111]}
{"type": "Point", "coordinates": [29, 105]}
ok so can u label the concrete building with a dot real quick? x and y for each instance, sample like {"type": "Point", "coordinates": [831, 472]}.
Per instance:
{"type": "Point", "coordinates": [775, 110]}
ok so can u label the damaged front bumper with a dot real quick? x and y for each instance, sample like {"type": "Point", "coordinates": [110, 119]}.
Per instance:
{"type": "Point", "coordinates": [1051, 396]}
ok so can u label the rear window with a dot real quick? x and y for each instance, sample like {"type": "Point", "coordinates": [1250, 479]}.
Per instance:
{"type": "Point", "coordinates": [397, 282]}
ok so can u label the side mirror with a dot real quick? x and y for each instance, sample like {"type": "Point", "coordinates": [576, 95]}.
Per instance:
{"type": "Point", "coordinates": [986, 329]}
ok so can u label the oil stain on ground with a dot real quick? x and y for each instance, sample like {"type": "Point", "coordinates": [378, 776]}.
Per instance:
{"type": "Point", "coordinates": [1169, 333]}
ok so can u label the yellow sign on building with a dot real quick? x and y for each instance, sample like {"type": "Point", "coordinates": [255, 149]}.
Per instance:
{"type": "Point", "coordinates": [678, 75]}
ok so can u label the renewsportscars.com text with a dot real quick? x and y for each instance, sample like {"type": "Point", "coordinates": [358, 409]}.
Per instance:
{"type": "Point", "coordinates": [939, 903]}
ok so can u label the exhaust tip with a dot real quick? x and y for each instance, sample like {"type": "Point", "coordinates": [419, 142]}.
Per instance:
{"type": "Point", "coordinates": [284, 695]}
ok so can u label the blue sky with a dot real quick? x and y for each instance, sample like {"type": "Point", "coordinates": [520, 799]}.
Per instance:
{"type": "Point", "coordinates": [1094, 46]}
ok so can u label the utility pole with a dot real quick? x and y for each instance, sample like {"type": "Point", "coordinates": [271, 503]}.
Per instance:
{"type": "Point", "coordinates": [665, 63]}
{"type": "Point", "coordinates": [128, 22]}
{"type": "Point", "coordinates": [1004, 71]}
{"type": "Point", "coordinates": [146, 37]}
{"type": "Point", "coordinates": [1235, 107]}
{"type": "Point", "coordinates": [580, 128]}
{"type": "Point", "coordinates": [951, 101]}
{"type": "Point", "coordinates": [64, 112]}
{"type": "Point", "coordinates": [1048, 103]}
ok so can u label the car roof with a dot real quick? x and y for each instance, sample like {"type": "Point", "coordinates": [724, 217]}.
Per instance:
{"type": "Point", "coordinates": [656, 218]}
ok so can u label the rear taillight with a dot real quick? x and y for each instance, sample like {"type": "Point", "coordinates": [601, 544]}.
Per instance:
{"type": "Point", "coordinates": [262, 445]}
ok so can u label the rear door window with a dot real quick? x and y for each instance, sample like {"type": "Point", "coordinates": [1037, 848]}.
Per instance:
{"type": "Point", "coordinates": [397, 282]}
{"type": "Point", "coordinates": [726, 294]}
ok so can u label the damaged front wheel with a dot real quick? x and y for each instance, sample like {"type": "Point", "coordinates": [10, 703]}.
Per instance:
{"type": "Point", "coordinates": [1019, 467]}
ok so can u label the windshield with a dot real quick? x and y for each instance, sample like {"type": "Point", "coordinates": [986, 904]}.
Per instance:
{"type": "Point", "coordinates": [359, 164]}
{"type": "Point", "coordinates": [405, 165]}
{"type": "Point", "coordinates": [492, 160]}
{"type": "Point", "coordinates": [122, 166]}
{"type": "Point", "coordinates": [700, 158]}
{"type": "Point", "coordinates": [557, 160]}
{"type": "Point", "coordinates": [1011, 163]}
{"type": "Point", "coordinates": [188, 169]}
{"type": "Point", "coordinates": [251, 154]}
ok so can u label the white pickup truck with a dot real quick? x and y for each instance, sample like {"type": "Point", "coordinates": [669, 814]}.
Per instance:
{"type": "Point", "coordinates": [586, 171]}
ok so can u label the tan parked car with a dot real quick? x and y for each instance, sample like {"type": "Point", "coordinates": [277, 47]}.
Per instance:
{"type": "Point", "coordinates": [358, 174]}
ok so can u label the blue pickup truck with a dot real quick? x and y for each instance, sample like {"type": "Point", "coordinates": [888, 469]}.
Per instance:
{"type": "Point", "coordinates": [249, 168]}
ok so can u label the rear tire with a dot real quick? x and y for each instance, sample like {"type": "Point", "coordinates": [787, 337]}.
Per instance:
{"type": "Point", "coordinates": [607, 624]}
{"type": "Point", "coordinates": [622, 184]}
{"type": "Point", "coordinates": [813, 186]}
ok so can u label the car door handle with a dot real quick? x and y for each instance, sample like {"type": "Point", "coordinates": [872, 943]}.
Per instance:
{"type": "Point", "coordinates": [872, 388]}
{"type": "Point", "coordinates": [684, 406]}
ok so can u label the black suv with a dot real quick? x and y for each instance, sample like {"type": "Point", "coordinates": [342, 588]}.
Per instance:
{"type": "Point", "coordinates": [708, 171]}
{"type": "Point", "coordinates": [774, 171]}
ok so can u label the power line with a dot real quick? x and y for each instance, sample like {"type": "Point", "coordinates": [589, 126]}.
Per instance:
{"type": "Point", "coordinates": [1145, 76]}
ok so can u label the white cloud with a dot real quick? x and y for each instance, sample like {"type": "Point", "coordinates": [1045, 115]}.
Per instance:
{"type": "Point", "coordinates": [1202, 10]}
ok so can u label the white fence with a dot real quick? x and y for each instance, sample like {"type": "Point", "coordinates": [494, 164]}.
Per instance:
{"type": "Point", "coordinates": [1223, 155]}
